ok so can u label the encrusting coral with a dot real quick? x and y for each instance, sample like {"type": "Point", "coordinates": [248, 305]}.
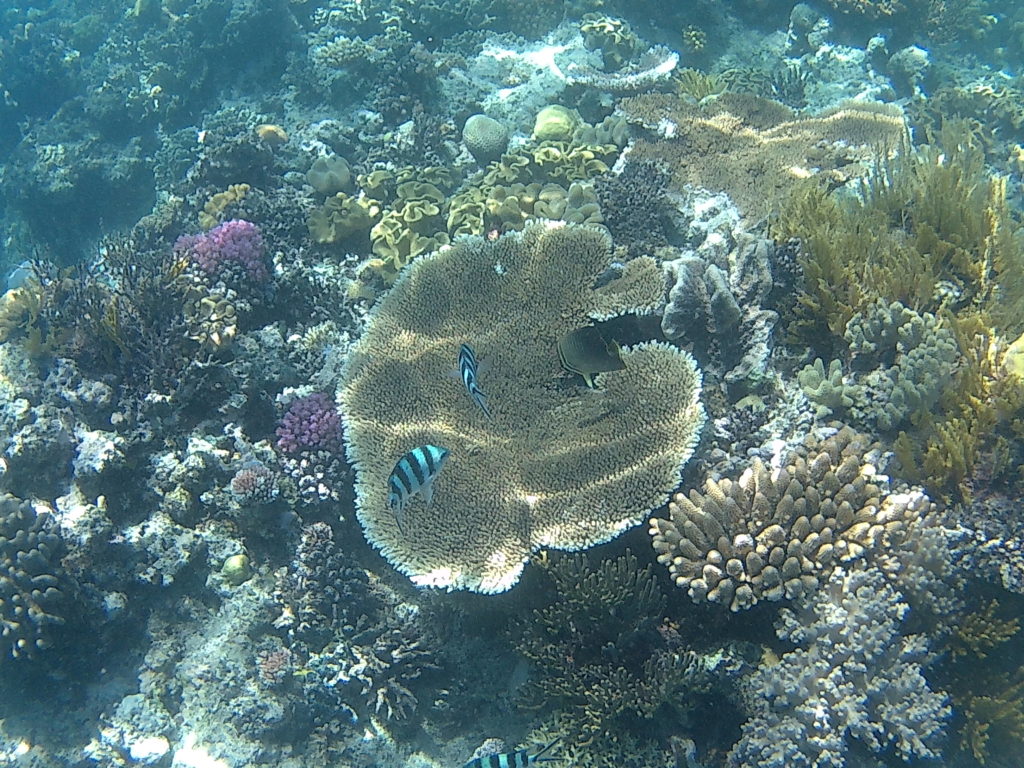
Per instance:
{"type": "Point", "coordinates": [777, 534]}
{"type": "Point", "coordinates": [554, 467]}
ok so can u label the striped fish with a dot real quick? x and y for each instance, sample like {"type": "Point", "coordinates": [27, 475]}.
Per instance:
{"type": "Point", "coordinates": [521, 758]}
{"type": "Point", "coordinates": [414, 473]}
{"type": "Point", "coordinates": [468, 372]}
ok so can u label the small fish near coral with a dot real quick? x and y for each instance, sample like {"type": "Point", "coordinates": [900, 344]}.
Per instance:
{"type": "Point", "coordinates": [587, 353]}
{"type": "Point", "coordinates": [521, 758]}
{"type": "Point", "coordinates": [414, 473]}
{"type": "Point", "coordinates": [468, 373]}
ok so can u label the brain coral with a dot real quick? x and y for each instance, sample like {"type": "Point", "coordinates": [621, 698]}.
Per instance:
{"type": "Point", "coordinates": [555, 466]}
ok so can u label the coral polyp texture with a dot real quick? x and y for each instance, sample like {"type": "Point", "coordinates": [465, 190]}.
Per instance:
{"type": "Point", "coordinates": [775, 534]}
{"type": "Point", "coordinates": [31, 602]}
{"type": "Point", "coordinates": [231, 252]}
{"type": "Point", "coordinates": [555, 466]}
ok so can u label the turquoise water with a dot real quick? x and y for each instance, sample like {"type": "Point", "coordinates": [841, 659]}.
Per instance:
{"type": "Point", "coordinates": [730, 470]}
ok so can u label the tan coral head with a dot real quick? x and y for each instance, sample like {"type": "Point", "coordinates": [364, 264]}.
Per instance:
{"type": "Point", "coordinates": [274, 135]}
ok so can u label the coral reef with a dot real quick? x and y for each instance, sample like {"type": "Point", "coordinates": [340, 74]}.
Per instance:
{"type": "Point", "coordinates": [602, 660]}
{"type": "Point", "coordinates": [853, 676]}
{"type": "Point", "coordinates": [177, 487]}
{"type": "Point", "coordinates": [944, 244]}
{"type": "Point", "coordinates": [775, 534]}
{"type": "Point", "coordinates": [548, 452]}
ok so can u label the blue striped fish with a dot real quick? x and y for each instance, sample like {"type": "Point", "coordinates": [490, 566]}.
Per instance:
{"type": "Point", "coordinates": [468, 372]}
{"type": "Point", "coordinates": [414, 473]}
{"type": "Point", "coordinates": [521, 758]}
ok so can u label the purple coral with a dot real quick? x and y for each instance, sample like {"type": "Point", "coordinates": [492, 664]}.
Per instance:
{"type": "Point", "coordinates": [311, 423]}
{"type": "Point", "coordinates": [232, 251]}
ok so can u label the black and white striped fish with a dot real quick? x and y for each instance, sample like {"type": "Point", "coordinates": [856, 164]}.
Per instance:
{"type": "Point", "coordinates": [468, 372]}
{"type": "Point", "coordinates": [414, 473]}
{"type": "Point", "coordinates": [521, 758]}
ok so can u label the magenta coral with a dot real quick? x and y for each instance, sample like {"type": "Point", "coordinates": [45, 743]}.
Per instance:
{"type": "Point", "coordinates": [311, 423]}
{"type": "Point", "coordinates": [227, 247]}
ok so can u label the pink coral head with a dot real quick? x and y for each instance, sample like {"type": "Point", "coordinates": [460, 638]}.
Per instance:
{"type": "Point", "coordinates": [231, 251]}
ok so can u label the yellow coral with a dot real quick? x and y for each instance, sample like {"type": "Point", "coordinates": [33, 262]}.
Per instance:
{"type": "Point", "coordinates": [214, 208]}
{"type": "Point", "coordinates": [271, 134]}
{"type": "Point", "coordinates": [341, 217]}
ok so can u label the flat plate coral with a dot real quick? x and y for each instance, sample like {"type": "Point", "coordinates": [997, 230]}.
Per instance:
{"type": "Point", "coordinates": [555, 466]}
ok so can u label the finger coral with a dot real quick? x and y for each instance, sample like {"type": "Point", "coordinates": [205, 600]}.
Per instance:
{"type": "Point", "coordinates": [554, 467]}
{"type": "Point", "coordinates": [31, 601]}
{"type": "Point", "coordinates": [777, 534]}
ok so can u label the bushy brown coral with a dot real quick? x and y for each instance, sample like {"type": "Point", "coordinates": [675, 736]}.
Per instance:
{"type": "Point", "coordinates": [775, 534]}
{"type": "Point", "coordinates": [553, 466]}
{"type": "Point", "coordinates": [600, 660]}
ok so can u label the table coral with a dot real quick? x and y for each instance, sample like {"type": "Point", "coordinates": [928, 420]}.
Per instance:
{"type": "Point", "coordinates": [753, 148]}
{"type": "Point", "coordinates": [554, 467]}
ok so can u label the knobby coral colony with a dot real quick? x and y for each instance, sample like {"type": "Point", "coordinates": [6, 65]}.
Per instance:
{"type": "Point", "coordinates": [777, 534]}
{"type": "Point", "coordinates": [550, 468]}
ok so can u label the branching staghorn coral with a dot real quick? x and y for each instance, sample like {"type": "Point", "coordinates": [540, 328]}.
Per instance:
{"type": "Point", "coordinates": [853, 676]}
{"type": "Point", "coordinates": [554, 467]}
{"type": "Point", "coordinates": [777, 534]}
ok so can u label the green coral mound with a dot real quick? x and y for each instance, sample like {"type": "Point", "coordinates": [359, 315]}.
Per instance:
{"type": "Point", "coordinates": [554, 466]}
{"type": "Point", "coordinates": [485, 138]}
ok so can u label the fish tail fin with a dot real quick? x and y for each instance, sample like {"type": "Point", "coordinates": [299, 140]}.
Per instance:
{"type": "Point", "coordinates": [545, 748]}
{"type": "Point", "coordinates": [482, 402]}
